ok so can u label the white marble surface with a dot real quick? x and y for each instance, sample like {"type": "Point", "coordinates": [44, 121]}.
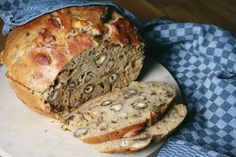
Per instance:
{"type": "Point", "coordinates": [24, 133]}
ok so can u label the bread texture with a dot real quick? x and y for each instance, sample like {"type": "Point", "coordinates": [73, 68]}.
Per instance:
{"type": "Point", "coordinates": [79, 65]}
{"type": "Point", "coordinates": [157, 132]}
{"type": "Point", "coordinates": [62, 59]}
{"type": "Point", "coordinates": [1, 58]}
{"type": "Point", "coordinates": [122, 113]}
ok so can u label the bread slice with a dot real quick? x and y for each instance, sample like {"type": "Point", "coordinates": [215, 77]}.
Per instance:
{"type": "Point", "coordinates": [64, 58]}
{"type": "Point", "coordinates": [125, 145]}
{"type": "Point", "coordinates": [159, 131]}
{"type": "Point", "coordinates": [122, 113]}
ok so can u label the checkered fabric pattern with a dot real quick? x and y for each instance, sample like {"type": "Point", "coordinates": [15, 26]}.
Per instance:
{"type": "Point", "coordinates": [8, 8]}
{"type": "Point", "coordinates": [178, 147]}
{"type": "Point", "coordinates": [202, 58]}
{"type": "Point", "coordinates": [12, 4]}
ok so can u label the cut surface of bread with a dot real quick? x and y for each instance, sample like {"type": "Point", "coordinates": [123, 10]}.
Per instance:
{"type": "Point", "coordinates": [121, 113]}
{"type": "Point", "coordinates": [71, 55]}
{"type": "Point", "coordinates": [157, 132]}
{"type": "Point", "coordinates": [83, 79]}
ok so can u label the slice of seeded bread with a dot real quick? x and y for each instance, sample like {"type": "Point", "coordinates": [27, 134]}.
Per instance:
{"type": "Point", "coordinates": [159, 131]}
{"type": "Point", "coordinates": [122, 113]}
{"type": "Point", "coordinates": [125, 145]}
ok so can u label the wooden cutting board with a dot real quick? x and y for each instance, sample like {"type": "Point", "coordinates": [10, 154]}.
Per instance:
{"type": "Point", "coordinates": [24, 133]}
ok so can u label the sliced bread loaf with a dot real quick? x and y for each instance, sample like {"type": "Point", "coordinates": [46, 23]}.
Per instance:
{"type": "Point", "coordinates": [122, 113]}
{"type": "Point", "coordinates": [159, 131]}
{"type": "Point", "coordinates": [62, 59]}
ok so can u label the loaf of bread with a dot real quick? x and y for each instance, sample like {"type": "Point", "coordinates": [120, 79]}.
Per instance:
{"type": "Point", "coordinates": [122, 113]}
{"type": "Point", "coordinates": [62, 59]}
{"type": "Point", "coordinates": [157, 132]}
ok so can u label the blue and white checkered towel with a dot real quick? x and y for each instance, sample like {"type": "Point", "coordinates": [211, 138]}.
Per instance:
{"type": "Point", "coordinates": [202, 58]}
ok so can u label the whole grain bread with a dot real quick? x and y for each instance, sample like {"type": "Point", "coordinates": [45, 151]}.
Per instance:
{"type": "Point", "coordinates": [157, 132]}
{"type": "Point", "coordinates": [122, 113]}
{"type": "Point", "coordinates": [75, 64]}
{"type": "Point", "coordinates": [62, 59]}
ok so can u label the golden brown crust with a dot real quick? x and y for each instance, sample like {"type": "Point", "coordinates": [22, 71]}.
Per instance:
{"type": "Point", "coordinates": [127, 150]}
{"type": "Point", "coordinates": [37, 51]}
{"type": "Point", "coordinates": [27, 97]}
{"type": "Point", "coordinates": [131, 130]}
{"type": "Point", "coordinates": [157, 133]}
{"type": "Point", "coordinates": [1, 58]}
{"type": "Point", "coordinates": [117, 134]}
{"type": "Point", "coordinates": [125, 145]}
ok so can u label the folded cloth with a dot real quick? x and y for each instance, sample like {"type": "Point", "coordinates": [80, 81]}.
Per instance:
{"type": "Point", "coordinates": [202, 58]}
{"type": "Point", "coordinates": [18, 12]}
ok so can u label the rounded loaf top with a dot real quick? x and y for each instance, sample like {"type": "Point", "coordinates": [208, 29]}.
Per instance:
{"type": "Point", "coordinates": [36, 52]}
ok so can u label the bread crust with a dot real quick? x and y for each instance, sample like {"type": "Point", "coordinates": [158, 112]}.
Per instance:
{"type": "Point", "coordinates": [117, 134]}
{"type": "Point", "coordinates": [1, 58]}
{"type": "Point", "coordinates": [135, 129]}
{"type": "Point", "coordinates": [35, 53]}
{"type": "Point", "coordinates": [130, 130]}
{"type": "Point", "coordinates": [28, 97]}
{"type": "Point", "coordinates": [173, 118]}
{"type": "Point", "coordinates": [127, 150]}
{"type": "Point", "coordinates": [130, 149]}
